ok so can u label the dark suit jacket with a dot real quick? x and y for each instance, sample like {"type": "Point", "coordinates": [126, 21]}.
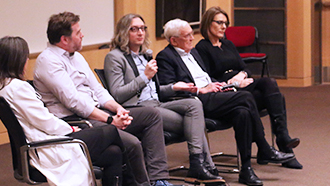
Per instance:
{"type": "Point", "coordinates": [172, 69]}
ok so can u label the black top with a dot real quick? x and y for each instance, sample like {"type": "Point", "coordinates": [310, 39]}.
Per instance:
{"type": "Point", "coordinates": [221, 63]}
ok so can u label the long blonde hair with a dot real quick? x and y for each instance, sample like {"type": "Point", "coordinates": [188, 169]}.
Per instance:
{"type": "Point", "coordinates": [121, 37]}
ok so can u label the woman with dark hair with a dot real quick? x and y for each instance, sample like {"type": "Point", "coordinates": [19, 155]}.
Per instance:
{"type": "Point", "coordinates": [60, 164]}
{"type": "Point", "coordinates": [223, 63]}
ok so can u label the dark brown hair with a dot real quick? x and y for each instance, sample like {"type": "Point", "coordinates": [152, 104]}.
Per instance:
{"type": "Point", "coordinates": [59, 25]}
{"type": "Point", "coordinates": [14, 52]}
{"type": "Point", "coordinates": [208, 17]}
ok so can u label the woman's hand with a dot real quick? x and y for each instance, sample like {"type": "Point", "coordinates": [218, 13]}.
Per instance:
{"type": "Point", "coordinates": [245, 82]}
{"type": "Point", "coordinates": [238, 77]}
{"type": "Point", "coordinates": [151, 69]}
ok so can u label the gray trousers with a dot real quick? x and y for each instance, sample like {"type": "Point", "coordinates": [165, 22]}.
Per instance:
{"type": "Point", "coordinates": [144, 142]}
{"type": "Point", "coordinates": [185, 116]}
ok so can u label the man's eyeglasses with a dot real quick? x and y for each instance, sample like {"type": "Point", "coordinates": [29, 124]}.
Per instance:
{"type": "Point", "coordinates": [221, 22]}
{"type": "Point", "coordinates": [136, 28]}
{"type": "Point", "coordinates": [187, 36]}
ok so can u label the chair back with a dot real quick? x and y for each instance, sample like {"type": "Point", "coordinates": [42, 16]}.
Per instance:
{"type": "Point", "coordinates": [245, 38]}
{"type": "Point", "coordinates": [15, 132]}
{"type": "Point", "coordinates": [100, 74]}
{"type": "Point", "coordinates": [17, 140]}
{"type": "Point", "coordinates": [241, 36]}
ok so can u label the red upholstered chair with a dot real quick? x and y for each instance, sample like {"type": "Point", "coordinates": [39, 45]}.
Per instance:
{"type": "Point", "coordinates": [247, 37]}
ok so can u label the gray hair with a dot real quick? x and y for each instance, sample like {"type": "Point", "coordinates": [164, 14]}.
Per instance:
{"type": "Point", "coordinates": [172, 28]}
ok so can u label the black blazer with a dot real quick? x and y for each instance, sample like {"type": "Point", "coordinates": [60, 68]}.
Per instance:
{"type": "Point", "coordinates": [172, 69]}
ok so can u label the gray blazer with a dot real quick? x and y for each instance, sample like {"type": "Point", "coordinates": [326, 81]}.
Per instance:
{"type": "Point", "coordinates": [124, 81]}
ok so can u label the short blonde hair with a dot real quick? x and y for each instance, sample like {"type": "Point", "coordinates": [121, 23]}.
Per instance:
{"type": "Point", "coordinates": [172, 28]}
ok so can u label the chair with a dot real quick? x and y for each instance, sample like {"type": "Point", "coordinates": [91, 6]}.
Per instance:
{"type": "Point", "coordinates": [170, 137]}
{"type": "Point", "coordinates": [244, 38]}
{"type": "Point", "coordinates": [23, 171]}
{"type": "Point", "coordinates": [214, 125]}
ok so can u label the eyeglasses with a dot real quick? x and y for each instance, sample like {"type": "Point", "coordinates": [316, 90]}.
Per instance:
{"type": "Point", "coordinates": [136, 28]}
{"type": "Point", "coordinates": [187, 36]}
{"type": "Point", "coordinates": [221, 22]}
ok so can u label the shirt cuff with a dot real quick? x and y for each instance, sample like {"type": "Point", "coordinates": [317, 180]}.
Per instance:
{"type": "Point", "coordinates": [144, 78]}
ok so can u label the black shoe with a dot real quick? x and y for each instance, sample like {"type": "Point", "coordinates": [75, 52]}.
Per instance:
{"type": "Point", "coordinates": [274, 157]}
{"type": "Point", "coordinates": [293, 164]}
{"type": "Point", "coordinates": [293, 143]}
{"type": "Point", "coordinates": [213, 171]}
{"type": "Point", "coordinates": [248, 177]}
{"type": "Point", "coordinates": [198, 173]}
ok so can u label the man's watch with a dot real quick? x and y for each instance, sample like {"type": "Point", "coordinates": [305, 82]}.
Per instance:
{"type": "Point", "coordinates": [109, 120]}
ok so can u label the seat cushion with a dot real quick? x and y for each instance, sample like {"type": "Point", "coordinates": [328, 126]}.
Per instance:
{"type": "Point", "coordinates": [171, 137]}
{"type": "Point", "coordinates": [252, 55]}
{"type": "Point", "coordinates": [213, 125]}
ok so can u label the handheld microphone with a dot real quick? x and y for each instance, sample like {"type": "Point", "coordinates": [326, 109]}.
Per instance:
{"type": "Point", "coordinates": [148, 53]}
{"type": "Point", "coordinates": [235, 84]}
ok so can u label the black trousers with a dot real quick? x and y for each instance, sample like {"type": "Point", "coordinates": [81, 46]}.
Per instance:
{"type": "Point", "coordinates": [105, 148]}
{"type": "Point", "coordinates": [261, 88]}
{"type": "Point", "coordinates": [239, 109]}
{"type": "Point", "coordinates": [144, 144]}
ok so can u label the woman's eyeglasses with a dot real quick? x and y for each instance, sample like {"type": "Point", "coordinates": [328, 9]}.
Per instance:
{"type": "Point", "coordinates": [136, 28]}
{"type": "Point", "coordinates": [221, 22]}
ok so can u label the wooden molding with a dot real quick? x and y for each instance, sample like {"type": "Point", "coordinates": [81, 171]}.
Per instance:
{"type": "Point", "coordinates": [85, 48]}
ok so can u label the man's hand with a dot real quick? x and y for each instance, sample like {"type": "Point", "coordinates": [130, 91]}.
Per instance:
{"type": "Point", "coordinates": [122, 112]}
{"type": "Point", "coordinates": [121, 122]}
{"type": "Point", "coordinates": [122, 119]}
{"type": "Point", "coordinates": [151, 69]}
{"type": "Point", "coordinates": [212, 87]}
{"type": "Point", "coordinates": [182, 86]}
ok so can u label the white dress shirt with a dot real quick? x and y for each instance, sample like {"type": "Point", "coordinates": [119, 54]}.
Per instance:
{"type": "Point", "coordinates": [200, 77]}
{"type": "Point", "coordinates": [149, 92]}
{"type": "Point", "coordinates": [67, 84]}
